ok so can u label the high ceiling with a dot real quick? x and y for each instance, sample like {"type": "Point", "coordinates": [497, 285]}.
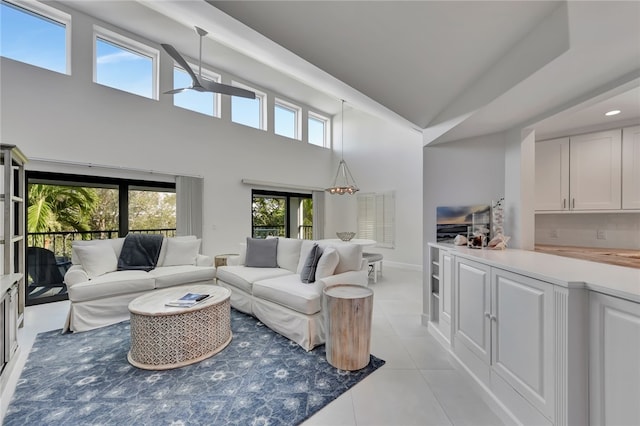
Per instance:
{"type": "Point", "coordinates": [450, 69]}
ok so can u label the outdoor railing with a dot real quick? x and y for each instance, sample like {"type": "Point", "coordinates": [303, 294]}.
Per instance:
{"type": "Point", "coordinates": [304, 231]}
{"type": "Point", "coordinates": [60, 242]}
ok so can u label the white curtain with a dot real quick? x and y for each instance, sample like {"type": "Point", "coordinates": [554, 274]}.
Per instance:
{"type": "Point", "coordinates": [318, 215]}
{"type": "Point", "coordinates": [189, 205]}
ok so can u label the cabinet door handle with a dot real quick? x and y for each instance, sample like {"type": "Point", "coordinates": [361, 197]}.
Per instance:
{"type": "Point", "coordinates": [493, 318]}
{"type": "Point", "coordinates": [573, 203]}
{"type": "Point", "coordinates": [564, 203]}
{"type": "Point", "coordinates": [487, 315]}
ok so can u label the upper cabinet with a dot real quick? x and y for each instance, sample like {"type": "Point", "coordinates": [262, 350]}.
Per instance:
{"type": "Point", "coordinates": [595, 171]}
{"type": "Point", "coordinates": [586, 172]}
{"type": "Point", "coordinates": [631, 167]}
{"type": "Point", "coordinates": [552, 174]}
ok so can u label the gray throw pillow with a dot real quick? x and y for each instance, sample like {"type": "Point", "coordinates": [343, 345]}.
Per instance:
{"type": "Point", "coordinates": [262, 253]}
{"type": "Point", "coordinates": [308, 273]}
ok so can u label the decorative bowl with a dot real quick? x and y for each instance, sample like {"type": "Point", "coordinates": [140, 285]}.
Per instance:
{"type": "Point", "coordinates": [346, 236]}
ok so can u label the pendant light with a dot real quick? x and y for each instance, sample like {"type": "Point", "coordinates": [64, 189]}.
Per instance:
{"type": "Point", "coordinates": [343, 183]}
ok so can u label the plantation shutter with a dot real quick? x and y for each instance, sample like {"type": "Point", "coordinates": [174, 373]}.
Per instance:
{"type": "Point", "coordinates": [376, 218]}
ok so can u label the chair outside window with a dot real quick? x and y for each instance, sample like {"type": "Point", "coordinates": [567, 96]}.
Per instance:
{"type": "Point", "coordinates": [45, 273]}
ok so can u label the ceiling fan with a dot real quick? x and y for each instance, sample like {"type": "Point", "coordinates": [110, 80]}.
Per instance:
{"type": "Point", "coordinates": [199, 83]}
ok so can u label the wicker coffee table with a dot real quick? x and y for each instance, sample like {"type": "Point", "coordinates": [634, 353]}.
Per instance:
{"type": "Point", "coordinates": [165, 337]}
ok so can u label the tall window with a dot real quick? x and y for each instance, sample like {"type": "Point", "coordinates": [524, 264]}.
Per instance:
{"type": "Point", "coordinates": [286, 119]}
{"type": "Point", "coordinates": [281, 214]}
{"type": "Point", "coordinates": [37, 35]}
{"type": "Point", "coordinates": [203, 102]}
{"type": "Point", "coordinates": [249, 112]}
{"type": "Point", "coordinates": [376, 218]}
{"type": "Point", "coordinates": [124, 64]}
{"type": "Point", "coordinates": [318, 130]}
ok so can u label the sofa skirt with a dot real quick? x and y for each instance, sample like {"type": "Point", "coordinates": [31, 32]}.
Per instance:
{"type": "Point", "coordinates": [306, 330]}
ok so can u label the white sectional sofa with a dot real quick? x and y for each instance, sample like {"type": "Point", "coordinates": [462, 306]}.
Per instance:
{"type": "Point", "coordinates": [277, 296]}
{"type": "Point", "coordinates": [100, 294]}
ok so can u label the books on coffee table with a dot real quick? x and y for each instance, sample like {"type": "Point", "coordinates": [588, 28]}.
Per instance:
{"type": "Point", "coordinates": [188, 300]}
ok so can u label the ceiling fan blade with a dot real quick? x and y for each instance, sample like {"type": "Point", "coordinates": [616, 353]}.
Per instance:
{"type": "Point", "coordinates": [180, 60]}
{"type": "Point", "coordinates": [174, 91]}
{"type": "Point", "coordinates": [225, 89]}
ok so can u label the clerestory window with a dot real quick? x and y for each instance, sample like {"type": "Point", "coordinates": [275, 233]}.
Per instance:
{"type": "Point", "coordinates": [36, 34]}
{"type": "Point", "coordinates": [125, 64]}
{"type": "Point", "coordinates": [249, 112]}
{"type": "Point", "coordinates": [318, 130]}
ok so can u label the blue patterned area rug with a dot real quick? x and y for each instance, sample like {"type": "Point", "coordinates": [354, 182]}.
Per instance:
{"type": "Point", "coordinates": [261, 378]}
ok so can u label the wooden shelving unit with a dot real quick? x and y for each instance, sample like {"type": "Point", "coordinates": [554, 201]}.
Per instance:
{"type": "Point", "coordinates": [12, 252]}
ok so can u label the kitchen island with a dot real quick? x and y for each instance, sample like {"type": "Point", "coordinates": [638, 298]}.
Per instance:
{"type": "Point", "coordinates": [556, 340]}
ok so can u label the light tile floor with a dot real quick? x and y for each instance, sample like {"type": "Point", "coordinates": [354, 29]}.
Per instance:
{"type": "Point", "coordinates": [420, 384]}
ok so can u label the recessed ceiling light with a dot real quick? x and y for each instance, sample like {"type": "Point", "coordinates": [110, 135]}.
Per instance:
{"type": "Point", "coordinates": [613, 112]}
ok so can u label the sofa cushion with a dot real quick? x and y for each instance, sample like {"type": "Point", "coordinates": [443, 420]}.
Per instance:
{"type": "Point", "coordinates": [289, 253]}
{"type": "Point", "coordinates": [327, 263]}
{"type": "Point", "coordinates": [165, 241]}
{"type": "Point", "coordinates": [243, 277]}
{"type": "Point", "coordinates": [115, 243]}
{"type": "Point", "coordinates": [262, 253]}
{"type": "Point", "coordinates": [350, 256]}
{"type": "Point", "coordinates": [288, 291]}
{"type": "Point", "coordinates": [169, 276]}
{"type": "Point", "coordinates": [97, 259]}
{"type": "Point", "coordinates": [111, 284]}
{"type": "Point", "coordinates": [308, 274]}
{"type": "Point", "coordinates": [181, 252]}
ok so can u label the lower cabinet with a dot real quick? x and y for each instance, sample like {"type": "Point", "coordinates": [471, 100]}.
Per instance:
{"type": "Point", "coordinates": [503, 332]}
{"type": "Point", "coordinates": [445, 302]}
{"type": "Point", "coordinates": [614, 364]}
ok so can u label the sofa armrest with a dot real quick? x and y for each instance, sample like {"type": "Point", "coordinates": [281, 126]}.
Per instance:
{"type": "Point", "coordinates": [204, 260]}
{"type": "Point", "coordinates": [234, 260]}
{"type": "Point", "coordinates": [76, 274]}
{"type": "Point", "coordinates": [360, 277]}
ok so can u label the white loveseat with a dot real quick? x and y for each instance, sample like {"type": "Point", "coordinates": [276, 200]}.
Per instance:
{"type": "Point", "coordinates": [100, 294]}
{"type": "Point", "coordinates": [278, 297]}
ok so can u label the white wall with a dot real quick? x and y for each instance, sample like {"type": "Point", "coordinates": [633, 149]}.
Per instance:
{"type": "Point", "coordinates": [382, 156]}
{"type": "Point", "coordinates": [70, 119]}
{"type": "Point", "coordinates": [462, 173]}
{"type": "Point", "coordinates": [621, 230]}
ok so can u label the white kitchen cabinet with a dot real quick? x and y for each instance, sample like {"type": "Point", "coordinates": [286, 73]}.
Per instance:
{"type": "Point", "coordinates": [552, 175]}
{"type": "Point", "coordinates": [595, 171]}
{"type": "Point", "coordinates": [580, 173]}
{"type": "Point", "coordinates": [522, 350]}
{"type": "Point", "coordinates": [631, 167]}
{"type": "Point", "coordinates": [614, 370]}
{"type": "Point", "coordinates": [445, 302]}
{"type": "Point", "coordinates": [473, 308]}
{"type": "Point", "coordinates": [504, 334]}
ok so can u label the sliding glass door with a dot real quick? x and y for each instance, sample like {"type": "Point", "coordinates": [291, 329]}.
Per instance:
{"type": "Point", "coordinates": [281, 214]}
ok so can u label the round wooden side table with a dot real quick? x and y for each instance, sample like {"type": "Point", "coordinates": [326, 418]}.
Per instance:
{"type": "Point", "coordinates": [164, 337]}
{"type": "Point", "coordinates": [348, 310]}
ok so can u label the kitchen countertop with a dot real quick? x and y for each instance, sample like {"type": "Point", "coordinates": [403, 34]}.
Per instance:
{"type": "Point", "coordinates": [618, 281]}
{"type": "Point", "coordinates": [620, 257]}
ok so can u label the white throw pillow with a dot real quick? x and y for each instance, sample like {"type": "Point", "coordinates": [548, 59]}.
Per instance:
{"type": "Point", "coordinates": [350, 258]}
{"type": "Point", "coordinates": [289, 253]}
{"type": "Point", "coordinates": [163, 249]}
{"type": "Point", "coordinates": [97, 259]}
{"type": "Point", "coordinates": [181, 252]}
{"type": "Point", "coordinates": [327, 263]}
